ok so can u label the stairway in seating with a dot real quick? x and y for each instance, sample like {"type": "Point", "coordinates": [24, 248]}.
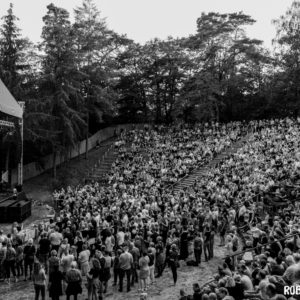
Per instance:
{"type": "Point", "coordinates": [189, 180]}
{"type": "Point", "coordinates": [104, 163]}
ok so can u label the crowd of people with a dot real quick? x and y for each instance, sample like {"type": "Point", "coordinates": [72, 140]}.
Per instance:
{"type": "Point", "coordinates": [132, 228]}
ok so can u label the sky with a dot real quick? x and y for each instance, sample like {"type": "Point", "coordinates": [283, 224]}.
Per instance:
{"type": "Point", "coordinates": [143, 20]}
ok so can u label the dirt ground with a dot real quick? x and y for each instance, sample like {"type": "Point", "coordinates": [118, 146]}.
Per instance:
{"type": "Point", "coordinates": [162, 289]}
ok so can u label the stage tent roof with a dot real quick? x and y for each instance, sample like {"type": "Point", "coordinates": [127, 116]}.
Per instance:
{"type": "Point", "coordinates": [8, 104]}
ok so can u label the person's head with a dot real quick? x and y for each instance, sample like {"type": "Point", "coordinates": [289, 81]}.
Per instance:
{"type": "Point", "coordinates": [262, 274]}
{"type": "Point", "coordinates": [196, 287]}
{"type": "Point", "coordinates": [297, 275]}
{"type": "Point", "coordinates": [36, 267]}
{"type": "Point", "coordinates": [212, 296]}
{"type": "Point", "coordinates": [53, 253]}
{"type": "Point", "coordinates": [30, 242]}
{"type": "Point", "coordinates": [296, 257]}
{"type": "Point", "coordinates": [96, 264]}
{"type": "Point", "coordinates": [73, 265]}
{"type": "Point", "coordinates": [205, 297]}
{"type": "Point", "coordinates": [271, 290]}
{"type": "Point", "coordinates": [222, 292]}
{"type": "Point", "coordinates": [289, 260]}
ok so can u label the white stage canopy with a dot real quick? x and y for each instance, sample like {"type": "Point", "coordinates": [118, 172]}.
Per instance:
{"type": "Point", "coordinates": [8, 104]}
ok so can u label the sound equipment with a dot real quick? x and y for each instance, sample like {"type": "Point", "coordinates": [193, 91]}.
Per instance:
{"type": "Point", "coordinates": [19, 211]}
{"type": "Point", "coordinates": [15, 208]}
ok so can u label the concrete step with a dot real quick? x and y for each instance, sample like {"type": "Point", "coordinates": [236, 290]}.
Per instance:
{"type": "Point", "coordinates": [202, 171]}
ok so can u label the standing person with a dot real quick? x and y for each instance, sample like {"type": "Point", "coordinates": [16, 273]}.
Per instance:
{"type": "Point", "coordinates": [135, 252]}
{"type": "Point", "coordinates": [66, 261]}
{"type": "Point", "coordinates": [126, 261]}
{"type": "Point", "coordinates": [116, 265]}
{"type": "Point", "coordinates": [55, 283]}
{"type": "Point", "coordinates": [206, 246]}
{"type": "Point", "coordinates": [44, 251]}
{"type": "Point", "coordinates": [3, 251]}
{"type": "Point", "coordinates": [151, 266]}
{"type": "Point", "coordinates": [39, 280]}
{"type": "Point", "coordinates": [83, 259]}
{"type": "Point", "coordinates": [93, 279]}
{"type": "Point", "coordinates": [198, 244]}
{"type": "Point", "coordinates": [55, 239]}
{"type": "Point", "coordinates": [173, 261]}
{"type": "Point", "coordinates": [144, 271]}
{"type": "Point", "coordinates": [29, 252]}
{"type": "Point", "coordinates": [223, 227]}
{"type": "Point", "coordinates": [160, 261]}
{"type": "Point", "coordinates": [74, 280]}
{"type": "Point", "coordinates": [20, 259]}
{"type": "Point", "coordinates": [10, 261]}
{"type": "Point", "coordinates": [106, 270]}
{"type": "Point", "coordinates": [53, 261]}
{"type": "Point", "coordinates": [212, 242]}
{"type": "Point", "coordinates": [184, 244]}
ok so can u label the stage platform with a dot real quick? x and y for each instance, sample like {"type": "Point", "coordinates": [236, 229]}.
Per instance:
{"type": "Point", "coordinates": [14, 209]}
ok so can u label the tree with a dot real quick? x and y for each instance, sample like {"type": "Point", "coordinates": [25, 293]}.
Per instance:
{"type": "Point", "coordinates": [11, 47]}
{"type": "Point", "coordinates": [60, 84]}
{"type": "Point", "coordinates": [96, 46]}
{"type": "Point", "coordinates": [287, 43]}
{"type": "Point", "coordinates": [222, 54]}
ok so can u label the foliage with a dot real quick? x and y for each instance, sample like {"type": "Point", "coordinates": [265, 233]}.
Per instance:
{"type": "Point", "coordinates": [84, 76]}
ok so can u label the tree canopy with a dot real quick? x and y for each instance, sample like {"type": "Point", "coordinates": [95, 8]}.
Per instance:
{"type": "Point", "coordinates": [83, 76]}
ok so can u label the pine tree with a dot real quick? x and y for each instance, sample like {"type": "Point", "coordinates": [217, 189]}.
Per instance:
{"type": "Point", "coordinates": [11, 45]}
{"type": "Point", "coordinates": [60, 84]}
